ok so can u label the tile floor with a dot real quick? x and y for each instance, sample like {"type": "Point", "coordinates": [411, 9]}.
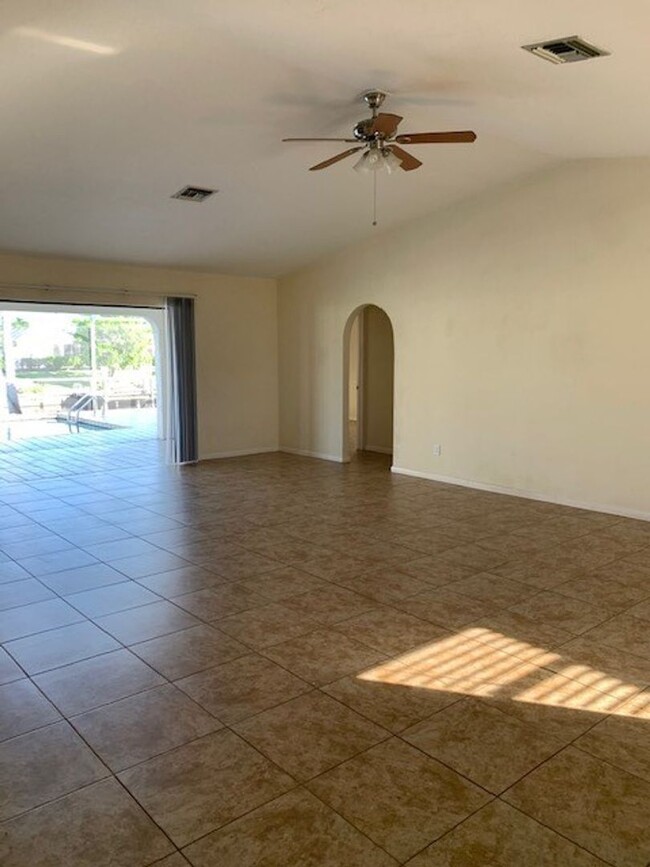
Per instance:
{"type": "Point", "coordinates": [280, 661]}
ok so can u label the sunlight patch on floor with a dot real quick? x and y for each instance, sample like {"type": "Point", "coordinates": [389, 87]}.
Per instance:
{"type": "Point", "coordinates": [484, 663]}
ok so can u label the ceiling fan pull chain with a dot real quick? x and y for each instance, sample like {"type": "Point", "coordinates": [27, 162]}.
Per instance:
{"type": "Point", "coordinates": [374, 198]}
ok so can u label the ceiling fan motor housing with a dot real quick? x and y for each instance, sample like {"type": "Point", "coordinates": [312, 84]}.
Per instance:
{"type": "Point", "coordinates": [363, 130]}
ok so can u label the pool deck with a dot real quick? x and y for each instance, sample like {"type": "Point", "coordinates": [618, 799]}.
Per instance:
{"type": "Point", "coordinates": [61, 453]}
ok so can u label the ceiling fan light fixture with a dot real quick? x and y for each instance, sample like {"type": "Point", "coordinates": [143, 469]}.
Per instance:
{"type": "Point", "coordinates": [391, 162]}
{"type": "Point", "coordinates": [376, 160]}
{"type": "Point", "coordinates": [361, 164]}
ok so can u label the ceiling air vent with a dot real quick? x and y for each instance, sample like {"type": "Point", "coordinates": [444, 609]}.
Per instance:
{"type": "Point", "coordinates": [571, 49]}
{"type": "Point", "coordinates": [194, 194]}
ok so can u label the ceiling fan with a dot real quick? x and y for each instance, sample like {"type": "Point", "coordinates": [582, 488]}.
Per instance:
{"type": "Point", "coordinates": [377, 137]}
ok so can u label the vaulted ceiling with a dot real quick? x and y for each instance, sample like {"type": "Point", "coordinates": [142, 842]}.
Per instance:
{"type": "Point", "coordinates": [109, 107]}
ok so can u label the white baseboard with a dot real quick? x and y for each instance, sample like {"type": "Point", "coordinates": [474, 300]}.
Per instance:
{"type": "Point", "coordinates": [528, 495]}
{"type": "Point", "coordinates": [308, 454]}
{"type": "Point", "coordinates": [239, 453]}
{"type": "Point", "coordinates": [382, 450]}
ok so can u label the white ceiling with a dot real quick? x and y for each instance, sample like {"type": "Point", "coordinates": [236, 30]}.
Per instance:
{"type": "Point", "coordinates": [109, 106]}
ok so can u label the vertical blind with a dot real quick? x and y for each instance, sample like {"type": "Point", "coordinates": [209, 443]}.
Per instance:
{"type": "Point", "coordinates": [183, 431]}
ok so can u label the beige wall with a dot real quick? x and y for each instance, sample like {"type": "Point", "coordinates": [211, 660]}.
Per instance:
{"type": "Point", "coordinates": [522, 338]}
{"type": "Point", "coordinates": [236, 335]}
{"type": "Point", "coordinates": [377, 380]}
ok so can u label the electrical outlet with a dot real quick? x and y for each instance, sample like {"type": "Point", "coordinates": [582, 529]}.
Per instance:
{"type": "Point", "coordinates": [437, 450]}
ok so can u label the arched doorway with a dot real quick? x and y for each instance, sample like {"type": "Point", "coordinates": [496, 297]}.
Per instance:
{"type": "Point", "coordinates": [368, 372]}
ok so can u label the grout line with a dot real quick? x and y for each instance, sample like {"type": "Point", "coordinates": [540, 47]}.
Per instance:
{"type": "Point", "coordinates": [320, 689]}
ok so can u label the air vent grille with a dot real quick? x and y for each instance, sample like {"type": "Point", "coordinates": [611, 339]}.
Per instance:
{"type": "Point", "coordinates": [570, 49]}
{"type": "Point", "coordinates": [194, 194]}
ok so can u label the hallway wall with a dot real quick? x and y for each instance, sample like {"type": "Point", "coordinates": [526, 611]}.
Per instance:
{"type": "Point", "coordinates": [378, 381]}
{"type": "Point", "coordinates": [522, 347]}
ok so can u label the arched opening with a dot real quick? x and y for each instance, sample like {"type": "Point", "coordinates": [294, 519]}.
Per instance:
{"type": "Point", "coordinates": [368, 373]}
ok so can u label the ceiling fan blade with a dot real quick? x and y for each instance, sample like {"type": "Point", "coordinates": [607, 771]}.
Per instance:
{"type": "Point", "coordinates": [409, 162]}
{"type": "Point", "coordinates": [332, 160]}
{"type": "Point", "coordinates": [385, 124]}
{"type": "Point", "coordinates": [320, 139]}
{"type": "Point", "coordinates": [436, 137]}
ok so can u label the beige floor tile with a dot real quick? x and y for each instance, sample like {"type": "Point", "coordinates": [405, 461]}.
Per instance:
{"type": "Point", "coordinates": [390, 631]}
{"type": "Point", "coordinates": [323, 656]}
{"type": "Point", "coordinates": [641, 609]}
{"type": "Point", "coordinates": [624, 632]}
{"type": "Point", "coordinates": [637, 707]}
{"type": "Point", "coordinates": [586, 552]}
{"type": "Point", "coordinates": [150, 563]}
{"type": "Point", "coordinates": [98, 826]}
{"type": "Point", "coordinates": [175, 860]}
{"type": "Point", "coordinates": [10, 571]}
{"type": "Point", "coordinates": [331, 567]}
{"type": "Point", "coordinates": [37, 617]}
{"type": "Point", "coordinates": [330, 604]}
{"type": "Point", "coordinates": [536, 696]}
{"type": "Point", "coordinates": [574, 615]}
{"type": "Point", "coordinates": [217, 538]}
{"type": "Point", "coordinates": [241, 688]}
{"type": "Point", "coordinates": [293, 831]}
{"type": "Point", "coordinates": [499, 591]}
{"type": "Point", "coordinates": [598, 806]}
{"type": "Point", "coordinates": [622, 741]}
{"type": "Point", "coordinates": [604, 668]}
{"type": "Point", "coordinates": [458, 664]}
{"type": "Point", "coordinates": [474, 556]}
{"type": "Point", "coordinates": [180, 581]}
{"type": "Point", "coordinates": [201, 786]}
{"type": "Point", "coordinates": [543, 571]}
{"type": "Point", "coordinates": [214, 603]}
{"type": "Point", "coordinates": [100, 680]}
{"type": "Point", "coordinates": [83, 578]}
{"type": "Point", "coordinates": [391, 705]}
{"type": "Point", "coordinates": [609, 594]}
{"type": "Point", "coordinates": [57, 647]}
{"type": "Point", "coordinates": [557, 718]}
{"type": "Point", "coordinates": [500, 836]}
{"type": "Point", "coordinates": [242, 566]}
{"type": "Point", "coordinates": [189, 651]}
{"type": "Point", "coordinates": [628, 571]}
{"type": "Point", "coordinates": [437, 572]}
{"type": "Point", "coordinates": [9, 670]}
{"type": "Point", "coordinates": [44, 765]}
{"type": "Point", "coordinates": [388, 792]}
{"type": "Point", "coordinates": [111, 598]}
{"type": "Point", "coordinates": [510, 546]}
{"type": "Point", "coordinates": [141, 726]}
{"type": "Point", "coordinates": [283, 583]}
{"type": "Point", "coordinates": [146, 622]}
{"type": "Point", "coordinates": [310, 734]}
{"type": "Point", "coordinates": [446, 608]}
{"type": "Point", "coordinates": [522, 636]}
{"type": "Point", "coordinates": [266, 625]}
{"type": "Point", "coordinates": [386, 584]}
{"type": "Point", "coordinates": [491, 748]}
{"type": "Point", "coordinates": [435, 541]}
{"type": "Point", "coordinates": [23, 708]}
{"type": "Point", "coordinates": [629, 530]}
{"type": "Point", "coordinates": [23, 593]}
{"type": "Point", "coordinates": [57, 562]}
